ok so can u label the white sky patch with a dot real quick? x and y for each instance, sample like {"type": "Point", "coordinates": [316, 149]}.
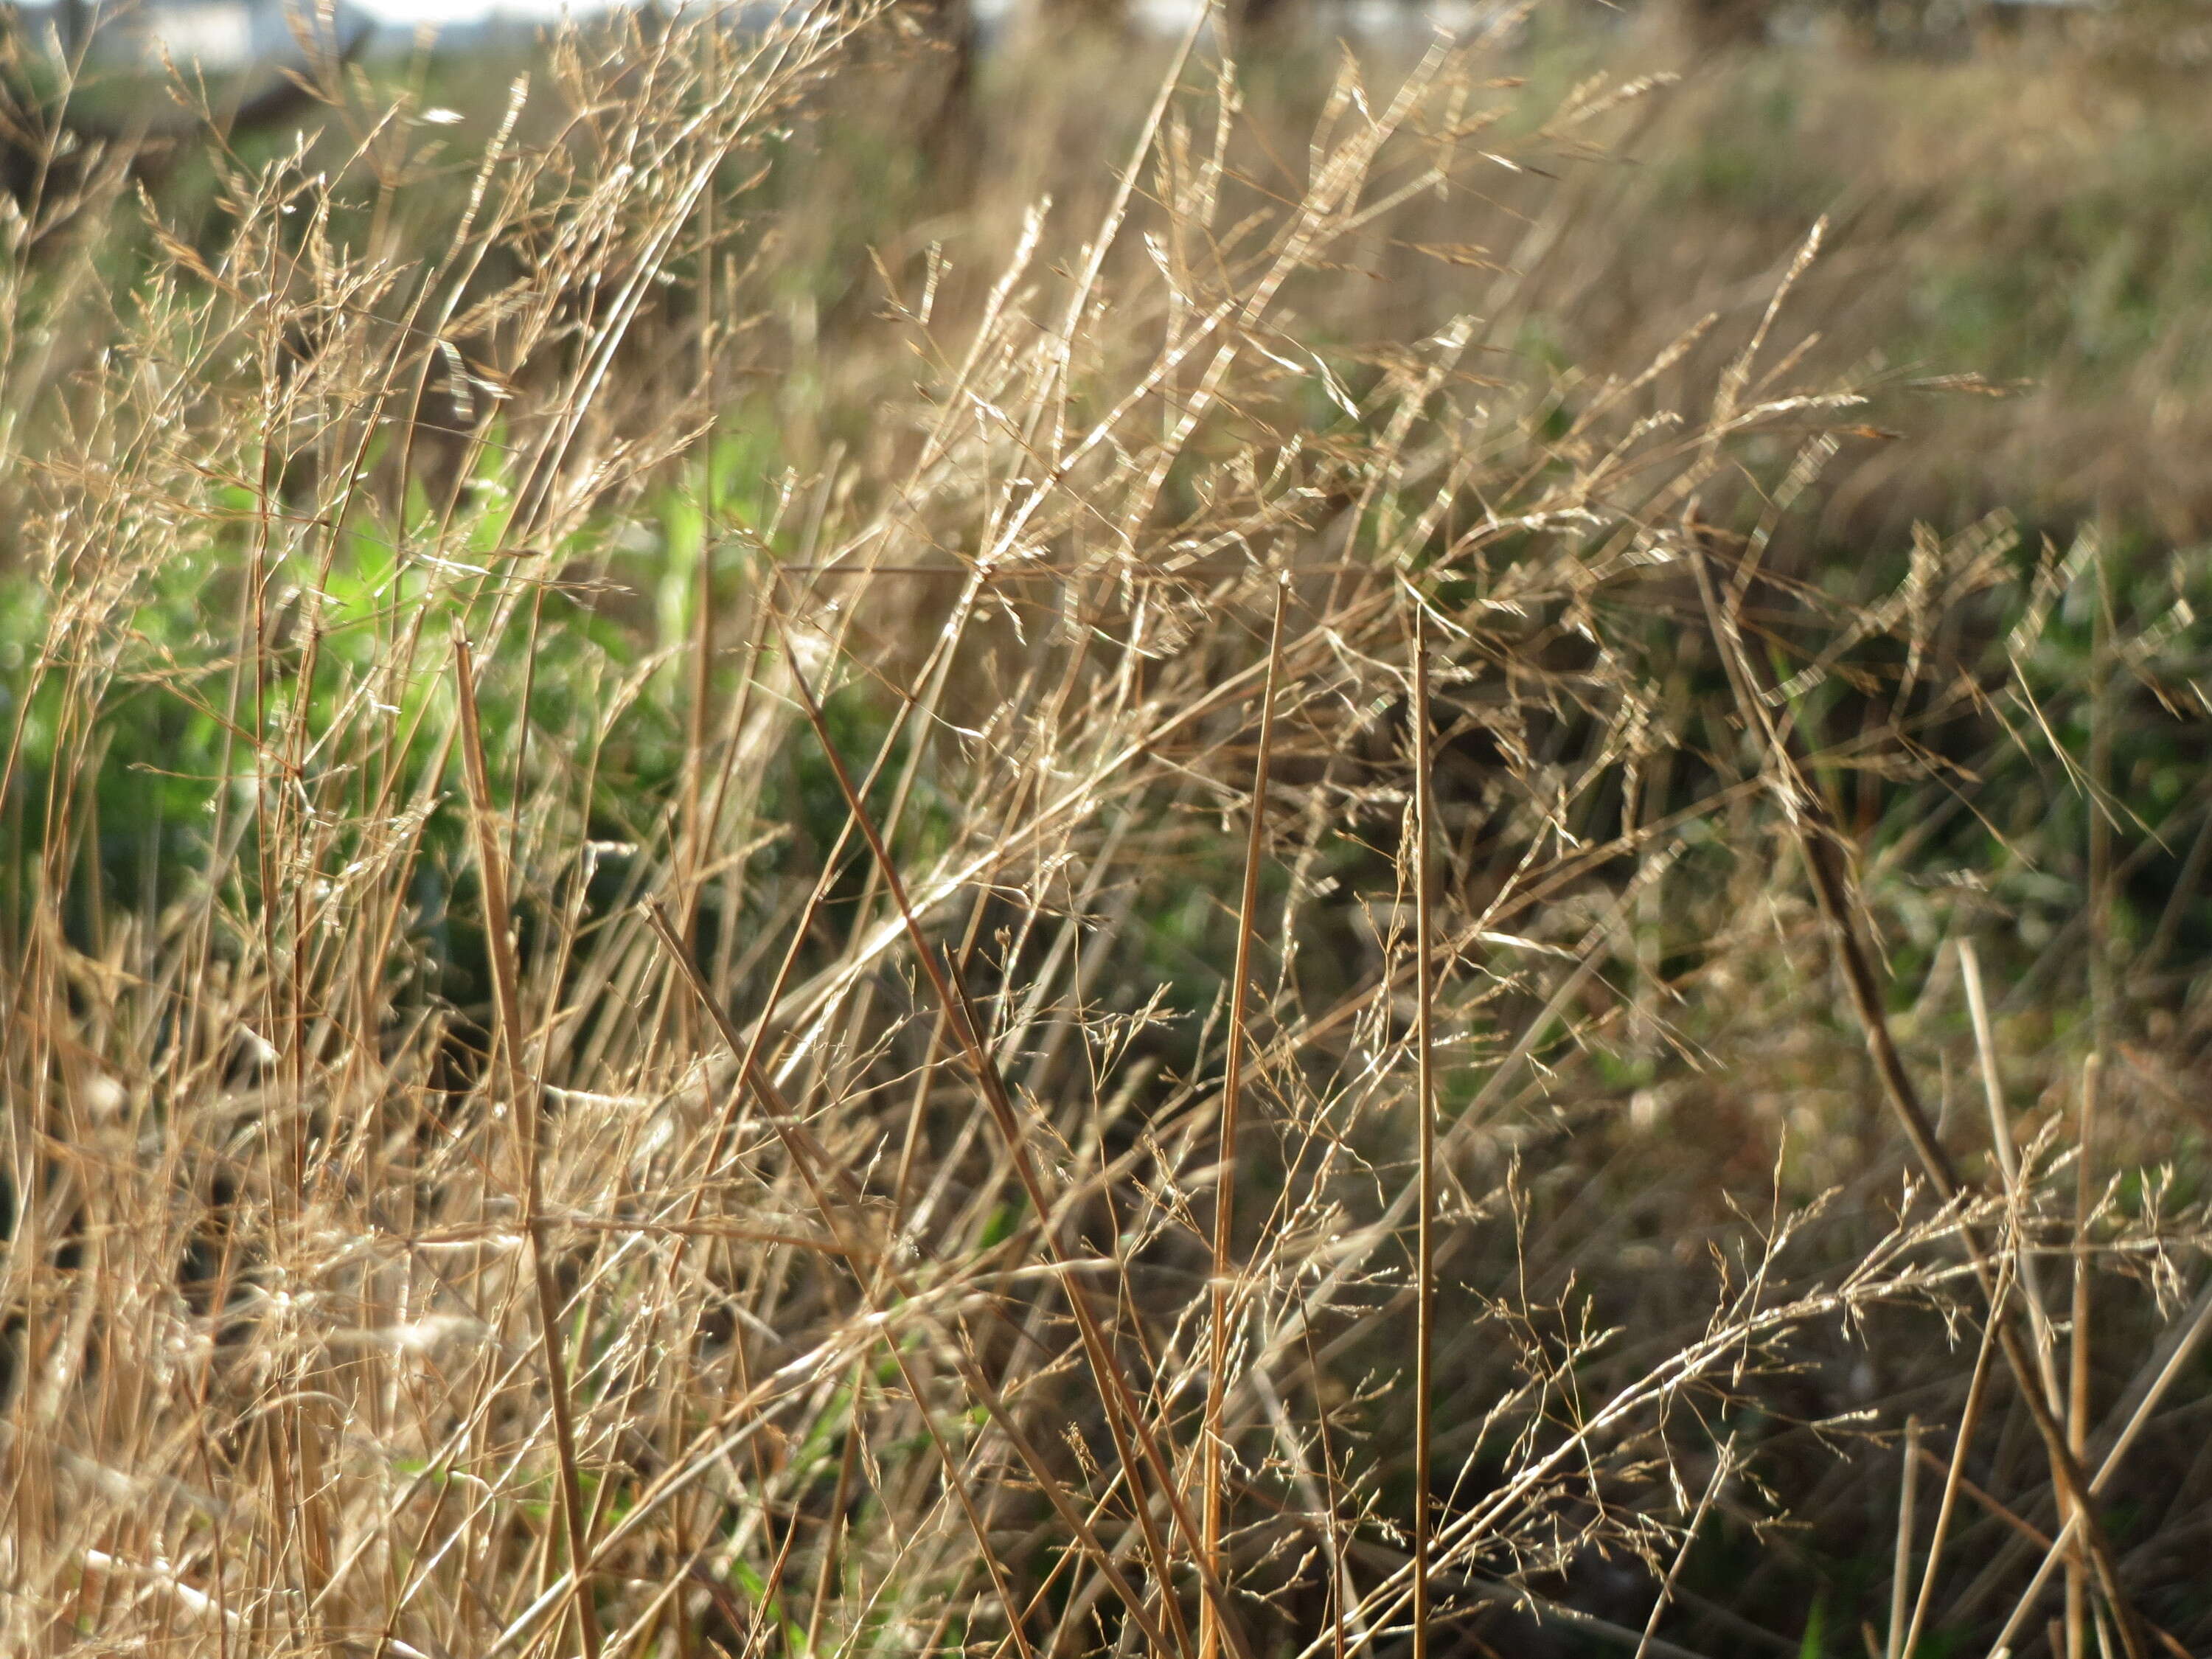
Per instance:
{"type": "Point", "coordinates": [411, 14]}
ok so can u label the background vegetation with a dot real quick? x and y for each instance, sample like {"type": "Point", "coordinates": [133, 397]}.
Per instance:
{"type": "Point", "coordinates": [813, 846]}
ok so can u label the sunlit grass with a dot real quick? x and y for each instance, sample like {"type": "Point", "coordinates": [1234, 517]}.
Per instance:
{"type": "Point", "coordinates": [660, 741]}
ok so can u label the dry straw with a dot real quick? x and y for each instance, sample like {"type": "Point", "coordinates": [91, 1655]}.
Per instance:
{"type": "Point", "coordinates": [1085, 951]}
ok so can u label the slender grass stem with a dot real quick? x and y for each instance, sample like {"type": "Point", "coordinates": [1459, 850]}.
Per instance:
{"type": "Point", "coordinates": [1237, 1044]}
{"type": "Point", "coordinates": [1425, 1107]}
{"type": "Point", "coordinates": [1831, 886]}
{"type": "Point", "coordinates": [528, 1115]}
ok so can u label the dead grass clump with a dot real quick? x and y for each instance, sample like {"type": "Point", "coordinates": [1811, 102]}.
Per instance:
{"type": "Point", "coordinates": [1192, 983]}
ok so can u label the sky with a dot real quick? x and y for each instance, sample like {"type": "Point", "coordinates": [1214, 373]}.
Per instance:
{"type": "Point", "coordinates": [211, 30]}
{"type": "Point", "coordinates": [409, 13]}
{"type": "Point", "coordinates": [412, 12]}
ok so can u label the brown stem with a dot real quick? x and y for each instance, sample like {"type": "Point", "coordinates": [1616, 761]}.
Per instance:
{"type": "Point", "coordinates": [1818, 843]}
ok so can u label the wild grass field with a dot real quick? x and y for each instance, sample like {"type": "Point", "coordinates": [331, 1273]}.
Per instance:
{"type": "Point", "coordinates": [810, 850]}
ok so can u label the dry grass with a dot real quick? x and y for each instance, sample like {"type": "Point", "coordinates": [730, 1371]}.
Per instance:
{"type": "Point", "coordinates": [658, 874]}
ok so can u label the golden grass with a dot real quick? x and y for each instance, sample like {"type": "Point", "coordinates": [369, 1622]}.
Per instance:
{"type": "Point", "coordinates": [662, 874]}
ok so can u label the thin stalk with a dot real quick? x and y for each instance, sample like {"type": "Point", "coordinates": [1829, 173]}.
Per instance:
{"type": "Point", "coordinates": [2179, 1347]}
{"type": "Point", "coordinates": [1993, 1506]}
{"type": "Point", "coordinates": [2100, 1013]}
{"type": "Point", "coordinates": [2078, 1348]}
{"type": "Point", "coordinates": [705, 619]}
{"type": "Point", "coordinates": [1123, 1419]}
{"type": "Point", "coordinates": [1723, 1467]}
{"type": "Point", "coordinates": [523, 1103]}
{"type": "Point", "coordinates": [1340, 1576]}
{"type": "Point", "coordinates": [1424, 947]}
{"type": "Point", "coordinates": [1817, 841]}
{"type": "Point", "coordinates": [2001, 1142]}
{"type": "Point", "coordinates": [1901, 1576]}
{"type": "Point", "coordinates": [833, 1527]}
{"type": "Point", "coordinates": [1232, 1095]}
{"type": "Point", "coordinates": [815, 1169]}
{"type": "Point", "coordinates": [1863, 990]}
{"type": "Point", "coordinates": [1954, 1474]}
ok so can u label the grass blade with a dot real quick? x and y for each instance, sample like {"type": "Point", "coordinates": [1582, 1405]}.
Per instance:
{"type": "Point", "coordinates": [528, 1111]}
